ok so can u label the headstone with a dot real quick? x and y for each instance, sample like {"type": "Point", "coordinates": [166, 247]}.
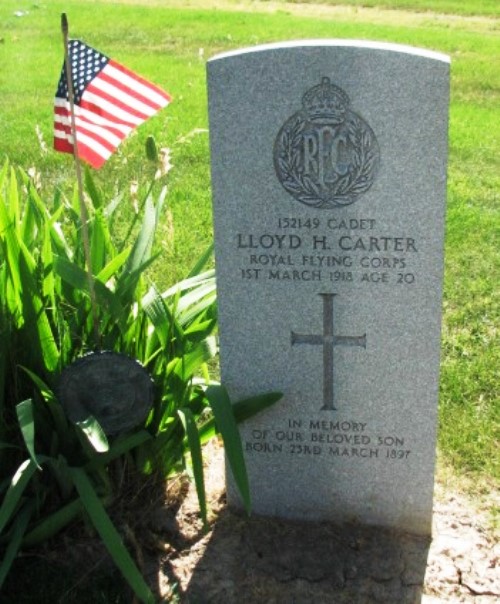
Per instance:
{"type": "Point", "coordinates": [109, 386]}
{"type": "Point", "coordinates": [329, 179]}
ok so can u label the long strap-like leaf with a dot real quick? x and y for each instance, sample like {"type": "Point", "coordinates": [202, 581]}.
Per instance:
{"type": "Point", "coordinates": [110, 536]}
{"type": "Point", "coordinates": [193, 438]}
{"type": "Point", "coordinates": [226, 423]}
{"type": "Point", "coordinates": [18, 483]}
{"type": "Point", "coordinates": [24, 411]}
{"type": "Point", "coordinates": [15, 540]}
{"type": "Point", "coordinates": [52, 524]}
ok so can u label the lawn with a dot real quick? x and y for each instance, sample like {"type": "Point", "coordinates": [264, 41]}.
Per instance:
{"type": "Point", "coordinates": [169, 42]}
{"type": "Point", "coordinates": [446, 7]}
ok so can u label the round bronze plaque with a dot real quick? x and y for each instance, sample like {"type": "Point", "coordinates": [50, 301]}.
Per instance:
{"type": "Point", "coordinates": [112, 387]}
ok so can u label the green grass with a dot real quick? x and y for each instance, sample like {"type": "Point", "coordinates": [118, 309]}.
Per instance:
{"type": "Point", "coordinates": [168, 44]}
{"type": "Point", "coordinates": [455, 7]}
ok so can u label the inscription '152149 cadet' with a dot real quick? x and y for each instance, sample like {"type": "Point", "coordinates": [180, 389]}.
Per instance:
{"type": "Point", "coordinates": [326, 155]}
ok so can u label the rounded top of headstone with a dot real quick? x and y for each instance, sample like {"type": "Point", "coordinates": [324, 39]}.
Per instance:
{"type": "Point", "coordinates": [112, 387]}
{"type": "Point", "coordinates": [425, 53]}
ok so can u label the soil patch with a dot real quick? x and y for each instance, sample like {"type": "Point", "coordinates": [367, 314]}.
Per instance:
{"type": "Point", "coordinates": [283, 562]}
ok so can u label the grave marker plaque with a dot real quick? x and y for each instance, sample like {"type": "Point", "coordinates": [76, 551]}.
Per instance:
{"type": "Point", "coordinates": [329, 180]}
{"type": "Point", "coordinates": [112, 387]}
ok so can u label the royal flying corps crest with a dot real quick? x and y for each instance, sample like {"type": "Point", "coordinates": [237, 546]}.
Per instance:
{"type": "Point", "coordinates": [326, 155]}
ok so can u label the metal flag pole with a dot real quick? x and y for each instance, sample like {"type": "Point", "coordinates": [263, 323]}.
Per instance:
{"type": "Point", "coordinates": [79, 180]}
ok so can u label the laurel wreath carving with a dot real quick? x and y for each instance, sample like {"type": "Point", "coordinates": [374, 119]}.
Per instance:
{"type": "Point", "coordinates": [346, 188]}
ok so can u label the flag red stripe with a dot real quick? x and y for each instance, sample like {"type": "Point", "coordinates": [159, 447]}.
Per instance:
{"type": "Point", "coordinates": [90, 156]}
{"type": "Point", "coordinates": [106, 77]}
{"type": "Point", "coordinates": [82, 114]}
{"type": "Point", "coordinates": [97, 130]}
{"type": "Point", "coordinates": [85, 151]}
{"type": "Point", "coordinates": [99, 139]}
{"type": "Point", "coordinates": [100, 111]}
{"type": "Point", "coordinates": [66, 128]}
{"type": "Point", "coordinates": [141, 80]}
{"type": "Point", "coordinates": [115, 101]}
{"type": "Point", "coordinates": [63, 145]}
{"type": "Point", "coordinates": [120, 94]}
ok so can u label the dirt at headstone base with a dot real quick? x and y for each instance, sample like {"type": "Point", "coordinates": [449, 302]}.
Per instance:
{"type": "Point", "coordinates": [250, 560]}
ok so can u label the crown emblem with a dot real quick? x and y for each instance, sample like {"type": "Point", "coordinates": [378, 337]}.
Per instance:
{"type": "Point", "coordinates": [325, 155]}
{"type": "Point", "coordinates": [326, 103]}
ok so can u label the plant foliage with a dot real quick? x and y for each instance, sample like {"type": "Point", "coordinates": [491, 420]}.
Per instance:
{"type": "Point", "coordinates": [52, 471]}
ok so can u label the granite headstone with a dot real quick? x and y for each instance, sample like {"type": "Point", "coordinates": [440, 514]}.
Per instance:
{"type": "Point", "coordinates": [329, 180]}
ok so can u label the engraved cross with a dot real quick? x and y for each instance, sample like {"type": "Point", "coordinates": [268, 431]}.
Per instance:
{"type": "Point", "coordinates": [328, 340]}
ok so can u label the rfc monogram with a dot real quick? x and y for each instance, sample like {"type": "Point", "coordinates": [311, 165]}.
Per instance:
{"type": "Point", "coordinates": [326, 155]}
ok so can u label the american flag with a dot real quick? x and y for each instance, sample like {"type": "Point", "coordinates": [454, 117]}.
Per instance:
{"type": "Point", "coordinates": [109, 100]}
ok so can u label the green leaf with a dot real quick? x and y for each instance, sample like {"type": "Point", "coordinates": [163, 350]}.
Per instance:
{"type": "Point", "coordinates": [186, 366]}
{"type": "Point", "coordinates": [45, 391]}
{"type": "Point", "coordinates": [119, 447]}
{"type": "Point", "coordinates": [112, 205]}
{"type": "Point", "coordinates": [199, 330]}
{"type": "Point", "coordinates": [19, 528]}
{"type": "Point", "coordinates": [55, 408]}
{"type": "Point", "coordinates": [48, 277]}
{"type": "Point", "coordinates": [151, 150]}
{"type": "Point", "coordinates": [142, 247]}
{"type": "Point", "coordinates": [37, 322]}
{"type": "Point", "coordinates": [226, 423]}
{"type": "Point", "coordinates": [191, 282]}
{"type": "Point", "coordinates": [11, 247]}
{"type": "Point", "coordinates": [29, 220]}
{"type": "Point", "coordinates": [99, 240]}
{"type": "Point", "coordinates": [18, 483]}
{"type": "Point", "coordinates": [202, 261]}
{"type": "Point", "coordinates": [77, 277]}
{"type": "Point", "coordinates": [160, 316]}
{"type": "Point", "coordinates": [195, 312]}
{"type": "Point", "coordinates": [110, 536]}
{"type": "Point", "coordinates": [3, 173]}
{"type": "Point", "coordinates": [194, 444]}
{"type": "Point", "coordinates": [249, 407]}
{"type": "Point", "coordinates": [59, 468]}
{"type": "Point", "coordinates": [54, 523]}
{"type": "Point", "coordinates": [24, 413]}
{"type": "Point", "coordinates": [242, 410]}
{"type": "Point", "coordinates": [127, 282]}
{"type": "Point", "coordinates": [49, 351]}
{"type": "Point", "coordinates": [92, 189]}
{"type": "Point", "coordinates": [28, 258]}
{"type": "Point", "coordinates": [61, 246]}
{"type": "Point", "coordinates": [94, 433]}
{"type": "Point", "coordinates": [113, 266]}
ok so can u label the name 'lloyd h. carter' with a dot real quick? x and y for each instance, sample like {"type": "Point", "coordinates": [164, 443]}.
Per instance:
{"type": "Point", "coordinates": [268, 241]}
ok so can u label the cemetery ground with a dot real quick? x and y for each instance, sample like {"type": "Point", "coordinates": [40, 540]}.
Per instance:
{"type": "Point", "coordinates": [168, 43]}
{"type": "Point", "coordinates": [273, 561]}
